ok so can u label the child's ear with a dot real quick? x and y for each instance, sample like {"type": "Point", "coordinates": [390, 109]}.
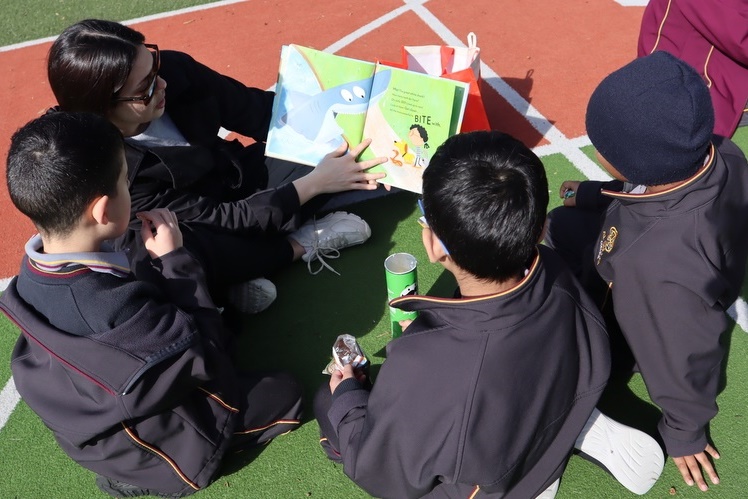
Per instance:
{"type": "Point", "coordinates": [98, 209]}
{"type": "Point", "coordinates": [544, 231]}
{"type": "Point", "coordinates": [434, 248]}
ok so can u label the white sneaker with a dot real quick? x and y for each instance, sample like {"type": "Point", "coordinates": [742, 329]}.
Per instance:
{"type": "Point", "coordinates": [551, 491]}
{"type": "Point", "coordinates": [324, 238]}
{"type": "Point", "coordinates": [633, 458]}
{"type": "Point", "coordinates": [252, 297]}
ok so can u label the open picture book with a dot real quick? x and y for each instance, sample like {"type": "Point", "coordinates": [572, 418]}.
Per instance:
{"type": "Point", "coordinates": [323, 100]}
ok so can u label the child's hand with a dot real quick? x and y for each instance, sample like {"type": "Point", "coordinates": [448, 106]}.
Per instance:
{"type": "Point", "coordinates": [339, 171]}
{"type": "Point", "coordinates": [690, 467]}
{"type": "Point", "coordinates": [568, 192]}
{"type": "Point", "coordinates": [160, 231]}
{"type": "Point", "coordinates": [405, 323]}
{"type": "Point", "coordinates": [338, 375]}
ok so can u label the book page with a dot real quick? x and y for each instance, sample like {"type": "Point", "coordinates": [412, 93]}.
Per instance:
{"type": "Point", "coordinates": [416, 114]}
{"type": "Point", "coordinates": [320, 103]}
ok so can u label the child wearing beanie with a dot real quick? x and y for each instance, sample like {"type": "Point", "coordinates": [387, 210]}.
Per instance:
{"type": "Point", "coordinates": [662, 248]}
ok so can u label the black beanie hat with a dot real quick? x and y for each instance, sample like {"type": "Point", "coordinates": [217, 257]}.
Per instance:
{"type": "Point", "coordinates": [652, 120]}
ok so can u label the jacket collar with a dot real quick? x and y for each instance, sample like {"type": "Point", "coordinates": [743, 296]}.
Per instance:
{"type": "Point", "coordinates": [691, 194]}
{"type": "Point", "coordinates": [109, 262]}
{"type": "Point", "coordinates": [495, 311]}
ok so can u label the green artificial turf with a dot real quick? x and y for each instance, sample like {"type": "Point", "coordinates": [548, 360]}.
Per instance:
{"type": "Point", "coordinates": [31, 19]}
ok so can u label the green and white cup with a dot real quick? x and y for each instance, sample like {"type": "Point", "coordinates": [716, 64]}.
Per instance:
{"type": "Point", "coordinates": [400, 273]}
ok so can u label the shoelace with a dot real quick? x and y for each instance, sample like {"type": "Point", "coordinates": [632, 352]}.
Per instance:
{"type": "Point", "coordinates": [320, 253]}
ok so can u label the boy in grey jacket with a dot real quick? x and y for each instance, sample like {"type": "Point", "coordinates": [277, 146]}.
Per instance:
{"type": "Point", "coordinates": [670, 247]}
{"type": "Point", "coordinates": [486, 394]}
{"type": "Point", "coordinates": [131, 373]}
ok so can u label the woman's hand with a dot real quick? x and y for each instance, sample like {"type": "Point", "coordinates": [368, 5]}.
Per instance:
{"type": "Point", "coordinates": [339, 171]}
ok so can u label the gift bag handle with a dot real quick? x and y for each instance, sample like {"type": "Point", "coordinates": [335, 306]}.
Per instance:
{"type": "Point", "coordinates": [448, 53]}
{"type": "Point", "coordinates": [472, 40]}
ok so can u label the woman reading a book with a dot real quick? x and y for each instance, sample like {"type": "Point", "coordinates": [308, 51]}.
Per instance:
{"type": "Point", "coordinates": [242, 219]}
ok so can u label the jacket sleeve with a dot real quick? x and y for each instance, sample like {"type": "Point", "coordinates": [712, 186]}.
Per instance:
{"type": "Point", "coordinates": [201, 100]}
{"type": "Point", "coordinates": [267, 210]}
{"type": "Point", "coordinates": [191, 334]}
{"type": "Point", "coordinates": [723, 24]}
{"type": "Point", "coordinates": [373, 463]}
{"type": "Point", "coordinates": [674, 336]}
{"type": "Point", "coordinates": [348, 415]}
{"type": "Point", "coordinates": [182, 280]}
{"type": "Point", "coordinates": [589, 196]}
{"type": "Point", "coordinates": [650, 26]}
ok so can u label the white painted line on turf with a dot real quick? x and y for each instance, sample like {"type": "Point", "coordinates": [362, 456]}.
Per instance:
{"type": "Point", "coordinates": [633, 3]}
{"type": "Point", "coordinates": [30, 43]}
{"type": "Point", "coordinates": [738, 311]}
{"type": "Point", "coordinates": [589, 168]}
{"type": "Point", "coordinates": [546, 150]}
{"type": "Point", "coordinates": [152, 17]}
{"type": "Point", "coordinates": [555, 148]}
{"type": "Point", "coordinates": [186, 10]}
{"type": "Point", "coordinates": [368, 28]}
{"type": "Point", "coordinates": [9, 399]}
{"type": "Point", "coordinates": [580, 142]}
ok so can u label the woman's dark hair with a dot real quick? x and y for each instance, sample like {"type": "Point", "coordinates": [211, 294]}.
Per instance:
{"type": "Point", "coordinates": [89, 62]}
{"type": "Point", "coordinates": [485, 195]}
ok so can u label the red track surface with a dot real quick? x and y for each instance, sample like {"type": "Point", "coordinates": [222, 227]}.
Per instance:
{"type": "Point", "coordinates": [551, 52]}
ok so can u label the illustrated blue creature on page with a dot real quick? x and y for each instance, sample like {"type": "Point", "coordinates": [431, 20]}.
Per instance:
{"type": "Point", "coordinates": [321, 102]}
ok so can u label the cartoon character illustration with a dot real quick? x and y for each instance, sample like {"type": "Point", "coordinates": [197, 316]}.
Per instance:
{"type": "Point", "coordinates": [401, 150]}
{"type": "Point", "coordinates": [410, 289]}
{"type": "Point", "coordinates": [313, 116]}
{"type": "Point", "coordinates": [419, 137]}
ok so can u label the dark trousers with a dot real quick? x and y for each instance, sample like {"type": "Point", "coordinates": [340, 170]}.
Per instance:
{"type": "Point", "coordinates": [229, 258]}
{"type": "Point", "coordinates": [271, 406]}
{"type": "Point", "coordinates": [328, 437]}
{"type": "Point", "coordinates": [282, 172]}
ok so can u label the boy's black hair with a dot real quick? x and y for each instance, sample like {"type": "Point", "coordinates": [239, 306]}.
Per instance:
{"type": "Point", "coordinates": [59, 163]}
{"type": "Point", "coordinates": [485, 195]}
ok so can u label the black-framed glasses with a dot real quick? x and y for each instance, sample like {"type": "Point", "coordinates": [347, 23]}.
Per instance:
{"type": "Point", "coordinates": [152, 76]}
